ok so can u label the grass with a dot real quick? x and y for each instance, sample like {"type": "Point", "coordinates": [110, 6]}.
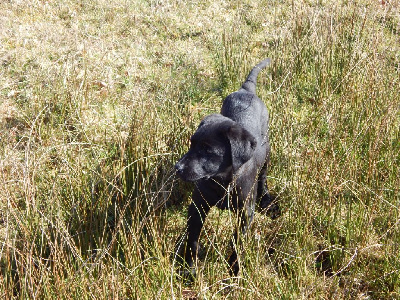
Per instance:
{"type": "Point", "coordinates": [98, 99]}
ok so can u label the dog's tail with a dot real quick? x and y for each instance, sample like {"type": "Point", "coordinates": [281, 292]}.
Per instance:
{"type": "Point", "coordinates": [250, 83]}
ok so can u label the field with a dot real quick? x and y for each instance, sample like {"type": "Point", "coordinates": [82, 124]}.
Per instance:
{"type": "Point", "coordinates": [98, 99]}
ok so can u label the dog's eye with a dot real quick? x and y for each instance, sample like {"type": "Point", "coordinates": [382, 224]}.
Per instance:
{"type": "Point", "coordinates": [207, 148]}
{"type": "Point", "coordinates": [204, 147]}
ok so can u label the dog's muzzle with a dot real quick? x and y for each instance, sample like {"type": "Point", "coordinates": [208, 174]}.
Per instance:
{"type": "Point", "coordinates": [179, 168]}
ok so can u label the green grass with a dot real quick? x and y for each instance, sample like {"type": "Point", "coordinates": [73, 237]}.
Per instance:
{"type": "Point", "coordinates": [98, 100]}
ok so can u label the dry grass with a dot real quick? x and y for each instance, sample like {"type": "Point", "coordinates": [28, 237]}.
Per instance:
{"type": "Point", "coordinates": [98, 100]}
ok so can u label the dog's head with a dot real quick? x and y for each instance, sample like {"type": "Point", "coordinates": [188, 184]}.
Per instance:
{"type": "Point", "coordinates": [219, 147]}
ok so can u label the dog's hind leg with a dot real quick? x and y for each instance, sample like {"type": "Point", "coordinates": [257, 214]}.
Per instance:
{"type": "Point", "coordinates": [265, 201]}
{"type": "Point", "coordinates": [263, 196]}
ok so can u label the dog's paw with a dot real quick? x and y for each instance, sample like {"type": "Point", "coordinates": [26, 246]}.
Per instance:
{"type": "Point", "coordinates": [187, 275]}
{"type": "Point", "coordinates": [269, 205]}
{"type": "Point", "coordinates": [274, 211]}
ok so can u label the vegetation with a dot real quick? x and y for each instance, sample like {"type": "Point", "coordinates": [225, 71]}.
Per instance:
{"type": "Point", "coordinates": [98, 99]}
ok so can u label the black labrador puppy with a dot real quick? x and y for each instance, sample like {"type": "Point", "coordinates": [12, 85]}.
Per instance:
{"type": "Point", "coordinates": [227, 160]}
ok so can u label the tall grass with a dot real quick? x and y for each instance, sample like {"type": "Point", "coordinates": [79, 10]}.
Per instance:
{"type": "Point", "coordinates": [98, 100]}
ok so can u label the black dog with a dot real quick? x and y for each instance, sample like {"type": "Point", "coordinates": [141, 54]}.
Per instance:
{"type": "Point", "coordinates": [227, 160]}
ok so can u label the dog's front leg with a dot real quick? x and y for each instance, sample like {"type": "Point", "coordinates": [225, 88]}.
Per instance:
{"type": "Point", "coordinates": [245, 215]}
{"type": "Point", "coordinates": [188, 247]}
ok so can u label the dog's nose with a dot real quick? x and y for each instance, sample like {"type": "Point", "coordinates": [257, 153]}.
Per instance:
{"type": "Point", "coordinates": [179, 168]}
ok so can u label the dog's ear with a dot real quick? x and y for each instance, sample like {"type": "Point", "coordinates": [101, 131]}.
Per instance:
{"type": "Point", "coordinates": [243, 144]}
